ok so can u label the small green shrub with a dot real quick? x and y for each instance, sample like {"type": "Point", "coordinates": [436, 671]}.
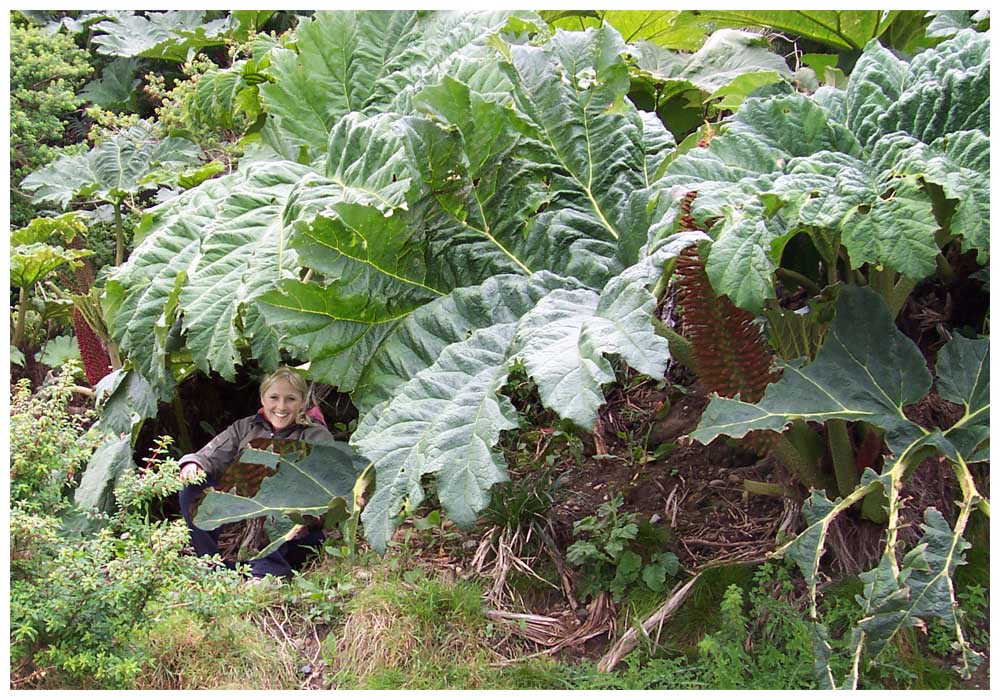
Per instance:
{"type": "Point", "coordinates": [48, 446]}
{"type": "Point", "coordinates": [80, 603]}
{"type": "Point", "coordinates": [611, 557]}
{"type": "Point", "coordinates": [46, 71]}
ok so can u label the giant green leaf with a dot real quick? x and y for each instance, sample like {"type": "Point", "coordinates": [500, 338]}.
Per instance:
{"type": "Point", "coordinates": [790, 163]}
{"type": "Point", "coordinates": [866, 370]}
{"type": "Point", "coordinates": [448, 417]}
{"type": "Point", "coordinates": [883, 215]}
{"type": "Point", "coordinates": [242, 255]}
{"type": "Point", "coordinates": [106, 464]}
{"type": "Point", "coordinates": [959, 164]}
{"type": "Point", "coordinates": [172, 36]}
{"type": "Point", "coordinates": [963, 377]}
{"type": "Point", "coordinates": [309, 480]}
{"type": "Point", "coordinates": [29, 264]}
{"type": "Point", "coordinates": [116, 88]}
{"type": "Point", "coordinates": [846, 29]}
{"type": "Point", "coordinates": [948, 90]}
{"type": "Point", "coordinates": [943, 90]}
{"type": "Point", "coordinates": [124, 400]}
{"type": "Point", "coordinates": [146, 289]}
{"type": "Point", "coordinates": [573, 91]}
{"type": "Point", "coordinates": [444, 421]}
{"type": "Point", "coordinates": [727, 56]}
{"type": "Point", "coordinates": [359, 61]}
{"type": "Point", "coordinates": [114, 169]}
{"type": "Point", "coordinates": [217, 95]}
{"type": "Point", "coordinates": [338, 57]}
{"type": "Point", "coordinates": [655, 26]}
{"type": "Point", "coordinates": [465, 218]}
{"type": "Point", "coordinates": [417, 341]}
{"type": "Point", "coordinates": [565, 339]}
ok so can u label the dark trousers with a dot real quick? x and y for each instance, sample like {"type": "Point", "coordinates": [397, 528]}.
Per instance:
{"type": "Point", "coordinates": [277, 563]}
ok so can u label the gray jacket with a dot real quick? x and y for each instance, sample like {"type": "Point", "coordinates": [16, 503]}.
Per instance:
{"type": "Point", "coordinates": [224, 448]}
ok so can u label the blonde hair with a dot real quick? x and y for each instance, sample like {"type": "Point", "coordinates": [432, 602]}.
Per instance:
{"type": "Point", "coordinates": [297, 383]}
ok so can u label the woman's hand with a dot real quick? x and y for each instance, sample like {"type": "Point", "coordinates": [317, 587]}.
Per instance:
{"type": "Point", "coordinates": [190, 471]}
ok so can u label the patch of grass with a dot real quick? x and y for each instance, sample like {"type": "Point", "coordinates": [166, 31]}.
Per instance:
{"type": "Point", "coordinates": [186, 652]}
{"type": "Point", "coordinates": [700, 613]}
{"type": "Point", "coordinates": [412, 630]}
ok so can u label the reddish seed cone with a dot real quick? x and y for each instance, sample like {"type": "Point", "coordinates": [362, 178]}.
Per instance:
{"type": "Point", "coordinates": [96, 363]}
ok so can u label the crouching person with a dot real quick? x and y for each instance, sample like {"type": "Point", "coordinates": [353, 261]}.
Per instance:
{"type": "Point", "coordinates": [282, 416]}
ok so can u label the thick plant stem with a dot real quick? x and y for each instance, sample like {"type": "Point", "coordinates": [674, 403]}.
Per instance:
{"type": "Point", "coordinates": [184, 437]}
{"type": "Point", "coordinates": [892, 287]}
{"type": "Point", "coordinates": [842, 453]}
{"type": "Point", "coordinates": [799, 279]}
{"type": "Point", "coordinates": [680, 347]}
{"type": "Point", "coordinates": [119, 236]}
{"type": "Point", "coordinates": [350, 526]}
{"type": "Point", "coordinates": [22, 312]}
{"type": "Point", "coordinates": [944, 268]}
{"type": "Point", "coordinates": [806, 469]}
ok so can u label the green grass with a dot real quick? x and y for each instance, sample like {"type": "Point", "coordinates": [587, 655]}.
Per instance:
{"type": "Point", "coordinates": [185, 652]}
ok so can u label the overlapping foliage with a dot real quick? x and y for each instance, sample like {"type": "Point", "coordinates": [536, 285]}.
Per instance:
{"type": "Point", "coordinates": [868, 370]}
{"type": "Point", "coordinates": [459, 211]}
{"type": "Point", "coordinates": [429, 201]}
{"type": "Point", "coordinates": [466, 199]}
{"type": "Point", "coordinates": [858, 169]}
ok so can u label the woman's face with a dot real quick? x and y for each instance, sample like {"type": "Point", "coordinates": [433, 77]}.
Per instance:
{"type": "Point", "coordinates": [281, 404]}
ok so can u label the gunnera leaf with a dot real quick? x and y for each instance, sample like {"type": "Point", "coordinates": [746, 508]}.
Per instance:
{"type": "Point", "coordinates": [308, 479]}
{"type": "Point", "coordinates": [866, 370]}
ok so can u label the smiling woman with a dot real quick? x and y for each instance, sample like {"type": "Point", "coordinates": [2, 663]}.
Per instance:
{"type": "Point", "coordinates": [282, 416]}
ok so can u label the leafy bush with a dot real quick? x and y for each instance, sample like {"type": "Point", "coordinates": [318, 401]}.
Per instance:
{"type": "Point", "coordinates": [611, 557]}
{"type": "Point", "coordinates": [46, 71]}
{"type": "Point", "coordinates": [83, 588]}
{"type": "Point", "coordinates": [49, 446]}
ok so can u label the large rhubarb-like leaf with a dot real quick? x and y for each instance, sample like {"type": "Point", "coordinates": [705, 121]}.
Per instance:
{"type": "Point", "coordinates": [171, 36]}
{"type": "Point", "coordinates": [851, 168]}
{"type": "Point", "coordinates": [311, 479]}
{"type": "Point", "coordinates": [727, 55]}
{"type": "Point", "coordinates": [447, 419]}
{"type": "Point", "coordinates": [573, 91]}
{"type": "Point", "coordinates": [963, 377]}
{"type": "Point", "coordinates": [883, 215]}
{"type": "Point", "coordinates": [565, 339]}
{"type": "Point", "coordinates": [868, 371]}
{"type": "Point", "coordinates": [30, 264]}
{"type": "Point", "coordinates": [418, 340]}
{"type": "Point", "coordinates": [116, 168]}
{"type": "Point", "coordinates": [125, 400]}
{"type": "Point", "coordinates": [444, 421]}
{"type": "Point", "coordinates": [97, 485]}
{"type": "Point", "coordinates": [476, 186]}
{"type": "Point", "coordinates": [942, 91]}
{"type": "Point", "coordinates": [243, 254]}
{"type": "Point", "coordinates": [359, 62]}
{"type": "Point", "coordinates": [206, 255]}
{"type": "Point", "coordinates": [843, 29]}
{"type": "Point", "coordinates": [960, 164]}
